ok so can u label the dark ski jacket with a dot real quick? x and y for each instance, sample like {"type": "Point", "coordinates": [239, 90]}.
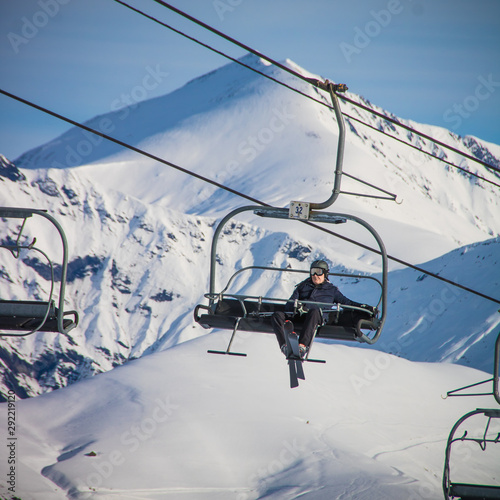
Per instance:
{"type": "Point", "coordinates": [324, 292]}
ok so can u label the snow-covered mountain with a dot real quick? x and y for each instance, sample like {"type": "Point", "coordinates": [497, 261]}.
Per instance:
{"type": "Point", "coordinates": [275, 145]}
{"type": "Point", "coordinates": [140, 232]}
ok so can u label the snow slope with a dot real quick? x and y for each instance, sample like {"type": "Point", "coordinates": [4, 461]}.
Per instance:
{"type": "Point", "coordinates": [186, 424]}
{"type": "Point", "coordinates": [449, 324]}
{"type": "Point", "coordinates": [429, 320]}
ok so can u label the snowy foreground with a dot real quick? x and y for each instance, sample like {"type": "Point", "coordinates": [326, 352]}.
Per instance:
{"type": "Point", "coordinates": [186, 424]}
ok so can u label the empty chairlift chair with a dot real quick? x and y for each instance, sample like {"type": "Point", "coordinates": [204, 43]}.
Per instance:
{"type": "Point", "coordinates": [23, 317]}
{"type": "Point", "coordinates": [468, 491]}
{"type": "Point", "coordinates": [490, 437]}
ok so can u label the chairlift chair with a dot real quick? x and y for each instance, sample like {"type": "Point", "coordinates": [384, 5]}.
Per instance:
{"type": "Point", "coordinates": [253, 313]}
{"type": "Point", "coordinates": [468, 491]}
{"type": "Point", "coordinates": [20, 318]}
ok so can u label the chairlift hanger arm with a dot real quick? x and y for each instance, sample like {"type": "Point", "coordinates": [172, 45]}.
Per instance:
{"type": "Point", "coordinates": [332, 89]}
{"type": "Point", "coordinates": [328, 85]}
{"type": "Point", "coordinates": [496, 380]}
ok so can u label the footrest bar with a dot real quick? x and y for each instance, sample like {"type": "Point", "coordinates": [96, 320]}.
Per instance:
{"type": "Point", "coordinates": [226, 352]}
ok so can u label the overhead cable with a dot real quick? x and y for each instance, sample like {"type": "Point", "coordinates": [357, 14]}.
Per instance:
{"type": "Point", "coordinates": [308, 96]}
{"type": "Point", "coordinates": [311, 81]}
{"type": "Point", "coordinates": [233, 191]}
{"type": "Point", "coordinates": [128, 146]}
{"type": "Point", "coordinates": [390, 197]}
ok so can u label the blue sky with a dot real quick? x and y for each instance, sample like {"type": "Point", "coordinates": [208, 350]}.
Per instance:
{"type": "Point", "coordinates": [433, 61]}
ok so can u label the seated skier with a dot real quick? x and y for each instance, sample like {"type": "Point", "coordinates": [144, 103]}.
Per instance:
{"type": "Point", "coordinates": [316, 288]}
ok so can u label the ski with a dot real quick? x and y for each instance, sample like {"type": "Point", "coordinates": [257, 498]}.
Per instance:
{"type": "Point", "coordinates": [294, 341]}
{"type": "Point", "coordinates": [294, 362]}
{"type": "Point", "coordinates": [294, 381]}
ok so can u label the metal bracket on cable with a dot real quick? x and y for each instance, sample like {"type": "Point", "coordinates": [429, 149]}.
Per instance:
{"type": "Point", "coordinates": [327, 85]}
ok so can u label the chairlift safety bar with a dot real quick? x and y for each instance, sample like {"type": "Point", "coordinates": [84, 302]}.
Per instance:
{"type": "Point", "coordinates": [301, 271]}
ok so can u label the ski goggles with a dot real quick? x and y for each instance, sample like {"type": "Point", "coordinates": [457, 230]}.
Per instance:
{"type": "Point", "coordinates": [318, 271]}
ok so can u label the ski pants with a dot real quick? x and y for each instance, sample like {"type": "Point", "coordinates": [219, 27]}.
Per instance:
{"type": "Point", "coordinates": [309, 322]}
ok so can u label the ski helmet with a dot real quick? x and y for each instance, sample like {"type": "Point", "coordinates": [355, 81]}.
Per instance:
{"type": "Point", "coordinates": [321, 264]}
